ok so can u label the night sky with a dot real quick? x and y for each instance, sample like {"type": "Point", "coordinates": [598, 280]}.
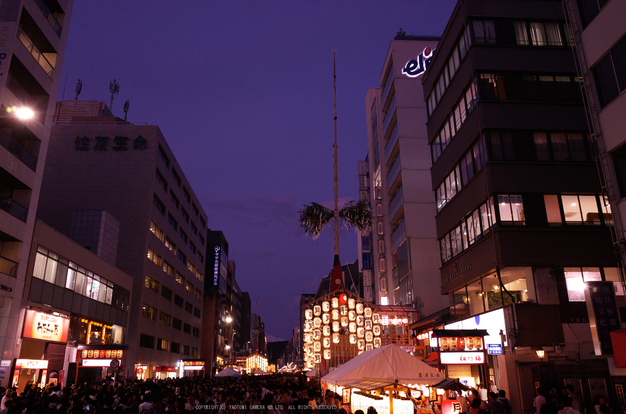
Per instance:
{"type": "Point", "coordinates": [243, 93]}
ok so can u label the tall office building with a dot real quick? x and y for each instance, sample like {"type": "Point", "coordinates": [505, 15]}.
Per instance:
{"type": "Point", "coordinates": [117, 189]}
{"type": "Point", "coordinates": [600, 45]}
{"type": "Point", "coordinates": [404, 246]}
{"type": "Point", "coordinates": [522, 220]}
{"type": "Point", "coordinates": [33, 35]}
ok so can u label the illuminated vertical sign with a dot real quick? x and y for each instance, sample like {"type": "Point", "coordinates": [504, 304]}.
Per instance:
{"type": "Point", "coordinates": [416, 67]}
{"type": "Point", "coordinates": [216, 267]}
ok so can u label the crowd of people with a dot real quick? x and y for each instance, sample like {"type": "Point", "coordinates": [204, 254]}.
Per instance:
{"type": "Point", "coordinates": [278, 393]}
{"type": "Point", "coordinates": [551, 401]}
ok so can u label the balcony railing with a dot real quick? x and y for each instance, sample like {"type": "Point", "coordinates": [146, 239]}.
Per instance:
{"type": "Point", "coordinates": [393, 173]}
{"type": "Point", "coordinates": [398, 236]}
{"type": "Point", "coordinates": [8, 266]}
{"type": "Point", "coordinates": [398, 339]}
{"type": "Point", "coordinates": [34, 51]}
{"type": "Point", "coordinates": [49, 16]}
{"type": "Point", "coordinates": [389, 114]}
{"type": "Point", "coordinates": [391, 143]}
{"type": "Point", "coordinates": [388, 84]}
{"type": "Point", "coordinates": [13, 208]}
{"type": "Point", "coordinates": [16, 149]}
{"type": "Point", "coordinates": [396, 203]}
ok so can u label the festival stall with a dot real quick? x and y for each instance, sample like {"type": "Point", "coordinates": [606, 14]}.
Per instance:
{"type": "Point", "coordinates": [228, 372]}
{"type": "Point", "coordinates": [364, 380]}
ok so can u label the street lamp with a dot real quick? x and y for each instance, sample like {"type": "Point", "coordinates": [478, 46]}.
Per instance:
{"type": "Point", "coordinates": [24, 113]}
{"type": "Point", "coordinates": [541, 353]}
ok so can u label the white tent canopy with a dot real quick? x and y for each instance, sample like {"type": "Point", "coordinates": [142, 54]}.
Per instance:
{"type": "Point", "coordinates": [381, 367]}
{"type": "Point", "coordinates": [227, 372]}
{"type": "Point", "coordinates": [313, 373]}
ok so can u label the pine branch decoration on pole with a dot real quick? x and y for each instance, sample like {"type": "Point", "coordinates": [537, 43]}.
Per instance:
{"type": "Point", "coordinates": [314, 217]}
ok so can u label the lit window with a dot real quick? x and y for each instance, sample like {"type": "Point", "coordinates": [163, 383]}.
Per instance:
{"type": "Point", "coordinates": [154, 257]}
{"type": "Point", "coordinates": [151, 284]}
{"type": "Point", "coordinates": [156, 231]}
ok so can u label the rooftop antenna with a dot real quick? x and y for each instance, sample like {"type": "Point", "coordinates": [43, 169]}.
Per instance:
{"type": "Point", "coordinates": [126, 106]}
{"type": "Point", "coordinates": [79, 87]}
{"type": "Point", "coordinates": [114, 87]}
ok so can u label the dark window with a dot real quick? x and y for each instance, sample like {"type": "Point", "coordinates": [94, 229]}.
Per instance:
{"type": "Point", "coordinates": [172, 222]}
{"type": "Point", "coordinates": [185, 349]}
{"type": "Point", "coordinates": [196, 312]}
{"type": "Point", "coordinates": [187, 328]}
{"type": "Point", "coordinates": [177, 324]}
{"type": "Point", "coordinates": [606, 81]}
{"type": "Point", "coordinates": [175, 348]}
{"type": "Point", "coordinates": [181, 256]}
{"type": "Point", "coordinates": [610, 73]}
{"type": "Point", "coordinates": [589, 9]}
{"type": "Point", "coordinates": [501, 145]}
{"type": "Point", "coordinates": [161, 180]}
{"type": "Point", "coordinates": [166, 292]}
{"type": "Point", "coordinates": [619, 163]}
{"type": "Point", "coordinates": [176, 177]}
{"type": "Point", "coordinates": [159, 205]}
{"type": "Point", "coordinates": [185, 215]}
{"type": "Point", "coordinates": [188, 307]}
{"type": "Point", "coordinates": [195, 209]}
{"type": "Point", "coordinates": [174, 199]}
{"type": "Point", "coordinates": [178, 301]}
{"type": "Point", "coordinates": [196, 332]}
{"type": "Point", "coordinates": [146, 341]}
{"type": "Point", "coordinates": [164, 157]}
{"type": "Point", "coordinates": [183, 236]}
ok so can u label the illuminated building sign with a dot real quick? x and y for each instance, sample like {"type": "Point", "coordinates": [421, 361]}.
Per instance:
{"type": "Point", "coordinates": [45, 326]}
{"type": "Point", "coordinates": [462, 358]}
{"type": "Point", "coordinates": [416, 67]}
{"type": "Point", "coordinates": [193, 365]}
{"type": "Point", "coordinates": [216, 266]}
{"type": "Point", "coordinates": [31, 363]}
{"type": "Point", "coordinates": [100, 362]}
{"type": "Point", "coordinates": [100, 353]}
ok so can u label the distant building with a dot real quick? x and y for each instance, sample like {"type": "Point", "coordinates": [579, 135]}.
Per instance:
{"type": "Point", "coordinates": [403, 250]}
{"type": "Point", "coordinates": [117, 189]}
{"type": "Point", "coordinates": [33, 35]}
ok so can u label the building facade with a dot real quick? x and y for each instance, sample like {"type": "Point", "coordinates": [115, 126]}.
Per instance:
{"type": "Point", "coordinates": [32, 45]}
{"type": "Point", "coordinates": [106, 178]}
{"type": "Point", "coordinates": [523, 223]}
{"type": "Point", "coordinates": [404, 249]}
{"type": "Point", "coordinates": [74, 301]}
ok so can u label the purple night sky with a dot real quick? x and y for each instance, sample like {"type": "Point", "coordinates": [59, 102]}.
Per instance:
{"type": "Point", "coordinates": [243, 93]}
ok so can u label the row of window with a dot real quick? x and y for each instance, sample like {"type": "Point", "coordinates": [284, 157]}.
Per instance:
{"type": "Point", "coordinates": [149, 341]}
{"type": "Point", "coordinates": [59, 271]}
{"type": "Point", "coordinates": [452, 124]}
{"type": "Point", "coordinates": [472, 162]}
{"type": "Point", "coordinates": [174, 223]}
{"type": "Point", "coordinates": [160, 234]}
{"type": "Point", "coordinates": [167, 268]}
{"type": "Point", "coordinates": [496, 32]}
{"type": "Point", "coordinates": [477, 224]}
{"type": "Point", "coordinates": [512, 146]}
{"type": "Point", "coordinates": [194, 208]}
{"type": "Point", "coordinates": [167, 293]}
{"type": "Point", "coordinates": [509, 86]}
{"type": "Point", "coordinates": [149, 312]}
{"type": "Point", "coordinates": [561, 209]}
{"type": "Point", "coordinates": [610, 73]}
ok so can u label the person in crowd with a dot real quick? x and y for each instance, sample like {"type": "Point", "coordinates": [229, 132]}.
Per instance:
{"type": "Point", "coordinates": [539, 400]}
{"type": "Point", "coordinates": [601, 406]}
{"type": "Point", "coordinates": [493, 387]}
{"type": "Point", "coordinates": [567, 406]}
{"type": "Point", "coordinates": [494, 406]}
{"type": "Point", "coordinates": [506, 404]}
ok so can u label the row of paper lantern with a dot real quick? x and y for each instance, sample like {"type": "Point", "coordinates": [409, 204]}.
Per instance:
{"type": "Point", "coordinates": [325, 311]}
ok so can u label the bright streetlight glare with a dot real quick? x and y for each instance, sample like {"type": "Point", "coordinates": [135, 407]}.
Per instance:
{"type": "Point", "coordinates": [24, 113]}
{"type": "Point", "coordinates": [229, 319]}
